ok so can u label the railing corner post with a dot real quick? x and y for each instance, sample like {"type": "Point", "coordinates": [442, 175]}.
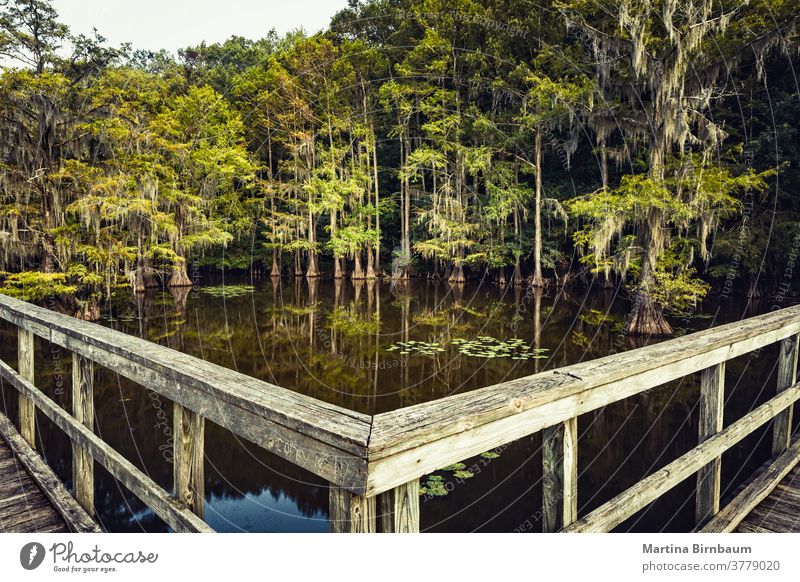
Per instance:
{"type": "Point", "coordinates": [351, 513]}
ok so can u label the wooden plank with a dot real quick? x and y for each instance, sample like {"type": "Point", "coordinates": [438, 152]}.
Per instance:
{"type": "Point", "coordinates": [730, 516]}
{"type": "Point", "coordinates": [52, 487]}
{"type": "Point", "coordinates": [749, 528]}
{"type": "Point", "coordinates": [189, 459]}
{"type": "Point", "coordinates": [398, 509]}
{"type": "Point", "coordinates": [413, 441]}
{"type": "Point", "coordinates": [351, 513]}
{"type": "Point", "coordinates": [167, 508]}
{"type": "Point", "coordinates": [624, 505]}
{"type": "Point", "coordinates": [787, 374]}
{"type": "Point", "coordinates": [559, 475]}
{"type": "Point", "coordinates": [712, 400]}
{"type": "Point", "coordinates": [83, 411]}
{"type": "Point", "coordinates": [27, 411]}
{"type": "Point", "coordinates": [328, 440]}
{"type": "Point", "coordinates": [774, 518]}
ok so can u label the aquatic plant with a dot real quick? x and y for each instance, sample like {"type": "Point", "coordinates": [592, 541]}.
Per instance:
{"type": "Point", "coordinates": [435, 485]}
{"type": "Point", "coordinates": [489, 347]}
{"type": "Point", "coordinates": [413, 347]}
{"type": "Point", "coordinates": [228, 291]}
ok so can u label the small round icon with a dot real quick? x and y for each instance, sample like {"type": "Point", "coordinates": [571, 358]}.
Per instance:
{"type": "Point", "coordinates": [31, 555]}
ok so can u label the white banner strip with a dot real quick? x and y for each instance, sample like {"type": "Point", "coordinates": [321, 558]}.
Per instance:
{"type": "Point", "coordinates": [234, 557]}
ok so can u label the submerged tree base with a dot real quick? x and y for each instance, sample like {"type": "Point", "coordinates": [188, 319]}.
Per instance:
{"type": "Point", "coordinates": [179, 278]}
{"type": "Point", "coordinates": [646, 319]}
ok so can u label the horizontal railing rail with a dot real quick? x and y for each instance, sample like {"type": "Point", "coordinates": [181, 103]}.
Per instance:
{"type": "Point", "coordinates": [374, 463]}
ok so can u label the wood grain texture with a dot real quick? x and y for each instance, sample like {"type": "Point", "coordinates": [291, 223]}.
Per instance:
{"type": "Point", "coordinates": [328, 440]}
{"type": "Point", "coordinates": [351, 513]}
{"type": "Point", "coordinates": [398, 509]}
{"type": "Point", "coordinates": [54, 496]}
{"type": "Point", "coordinates": [729, 518]}
{"type": "Point", "coordinates": [26, 364]}
{"type": "Point", "coordinates": [624, 505]}
{"type": "Point", "coordinates": [166, 507]}
{"type": "Point", "coordinates": [189, 459]}
{"type": "Point", "coordinates": [83, 411]}
{"type": "Point", "coordinates": [408, 443]}
{"type": "Point", "coordinates": [559, 475]}
{"type": "Point", "coordinates": [712, 400]}
{"type": "Point", "coordinates": [787, 374]}
{"type": "Point", "coordinates": [780, 511]}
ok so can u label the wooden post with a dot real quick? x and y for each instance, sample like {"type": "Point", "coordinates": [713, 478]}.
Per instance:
{"type": "Point", "coordinates": [351, 513]}
{"type": "Point", "coordinates": [83, 411]}
{"type": "Point", "coordinates": [560, 475]}
{"type": "Point", "coordinates": [188, 462]}
{"type": "Point", "coordinates": [27, 411]}
{"type": "Point", "coordinates": [398, 509]}
{"type": "Point", "coordinates": [712, 399]}
{"type": "Point", "coordinates": [787, 372]}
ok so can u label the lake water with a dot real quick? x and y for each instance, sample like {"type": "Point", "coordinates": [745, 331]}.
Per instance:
{"type": "Point", "coordinates": [375, 347]}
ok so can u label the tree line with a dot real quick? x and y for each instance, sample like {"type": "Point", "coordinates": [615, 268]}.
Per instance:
{"type": "Point", "coordinates": [643, 144]}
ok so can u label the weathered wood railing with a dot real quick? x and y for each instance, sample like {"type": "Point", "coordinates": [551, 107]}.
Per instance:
{"type": "Point", "coordinates": [374, 463]}
{"type": "Point", "coordinates": [325, 439]}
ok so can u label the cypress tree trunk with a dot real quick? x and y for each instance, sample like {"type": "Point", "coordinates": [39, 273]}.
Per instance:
{"type": "Point", "coordinates": [537, 216]}
{"type": "Point", "coordinates": [337, 262]}
{"type": "Point", "coordinates": [646, 317]}
{"type": "Point", "coordinates": [313, 264]}
{"type": "Point", "coordinates": [298, 264]}
{"type": "Point", "coordinates": [377, 200]}
{"type": "Point", "coordinates": [275, 271]}
{"type": "Point", "coordinates": [180, 276]}
{"type": "Point", "coordinates": [358, 271]}
{"type": "Point", "coordinates": [370, 263]}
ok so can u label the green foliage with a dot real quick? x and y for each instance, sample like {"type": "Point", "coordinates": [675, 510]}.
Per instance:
{"type": "Point", "coordinates": [410, 130]}
{"type": "Point", "coordinates": [33, 286]}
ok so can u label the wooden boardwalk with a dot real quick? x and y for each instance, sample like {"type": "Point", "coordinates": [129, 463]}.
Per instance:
{"type": "Point", "coordinates": [24, 508]}
{"type": "Point", "coordinates": [373, 463]}
{"type": "Point", "coordinates": [32, 498]}
{"type": "Point", "coordinates": [780, 511]}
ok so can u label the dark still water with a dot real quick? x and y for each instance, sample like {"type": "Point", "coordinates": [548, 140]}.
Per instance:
{"type": "Point", "coordinates": [373, 348]}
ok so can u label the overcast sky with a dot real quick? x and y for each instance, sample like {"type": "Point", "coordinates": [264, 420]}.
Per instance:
{"type": "Point", "coordinates": [174, 24]}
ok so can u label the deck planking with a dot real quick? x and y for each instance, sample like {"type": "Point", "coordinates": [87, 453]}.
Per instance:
{"type": "Point", "coordinates": [24, 508]}
{"type": "Point", "coordinates": [780, 511]}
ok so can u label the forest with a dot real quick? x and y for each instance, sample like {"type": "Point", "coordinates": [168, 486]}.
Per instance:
{"type": "Point", "coordinates": [647, 146]}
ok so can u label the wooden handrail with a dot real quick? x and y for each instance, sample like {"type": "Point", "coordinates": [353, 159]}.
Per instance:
{"type": "Point", "coordinates": [415, 440]}
{"type": "Point", "coordinates": [323, 438]}
{"type": "Point", "coordinates": [627, 503]}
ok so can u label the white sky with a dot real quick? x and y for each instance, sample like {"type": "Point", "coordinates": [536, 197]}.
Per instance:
{"type": "Point", "coordinates": [174, 24]}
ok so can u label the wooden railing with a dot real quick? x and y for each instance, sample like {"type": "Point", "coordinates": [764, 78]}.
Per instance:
{"type": "Point", "coordinates": [325, 439]}
{"type": "Point", "coordinates": [374, 463]}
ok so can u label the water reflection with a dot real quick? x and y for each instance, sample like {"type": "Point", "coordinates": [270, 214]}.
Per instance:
{"type": "Point", "coordinates": [337, 341]}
